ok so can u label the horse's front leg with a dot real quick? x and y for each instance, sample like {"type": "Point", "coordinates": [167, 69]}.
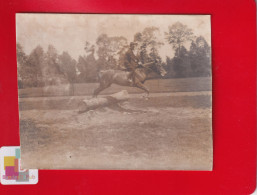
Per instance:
{"type": "Point", "coordinates": [146, 96]}
{"type": "Point", "coordinates": [141, 86]}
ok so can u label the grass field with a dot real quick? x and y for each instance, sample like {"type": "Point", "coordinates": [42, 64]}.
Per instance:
{"type": "Point", "coordinates": [155, 86]}
{"type": "Point", "coordinates": [171, 130]}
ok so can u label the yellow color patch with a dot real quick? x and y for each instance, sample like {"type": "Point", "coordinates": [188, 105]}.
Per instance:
{"type": "Point", "coordinates": [9, 161]}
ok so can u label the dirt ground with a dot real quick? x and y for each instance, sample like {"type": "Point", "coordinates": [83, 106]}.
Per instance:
{"type": "Point", "coordinates": [138, 134]}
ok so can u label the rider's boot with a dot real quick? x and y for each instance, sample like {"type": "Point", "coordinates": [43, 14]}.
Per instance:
{"type": "Point", "coordinates": [130, 78]}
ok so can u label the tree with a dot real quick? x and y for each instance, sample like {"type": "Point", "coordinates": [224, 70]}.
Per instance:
{"type": "Point", "coordinates": [68, 68]}
{"type": "Point", "coordinates": [178, 35]}
{"type": "Point", "coordinates": [92, 69]}
{"type": "Point", "coordinates": [87, 65]}
{"type": "Point", "coordinates": [21, 56]}
{"type": "Point", "coordinates": [181, 65]}
{"type": "Point", "coordinates": [52, 73]}
{"type": "Point", "coordinates": [21, 65]}
{"type": "Point", "coordinates": [109, 51]}
{"type": "Point", "coordinates": [200, 57]}
{"type": "Point", "coordinates": [51, 59]}
{"type": "Point", "coordinates": [35, 64]}
{"type": "Point", "coordinates": [148, 44]}
{"type": "Point", "coordinates": [169, 68]}
{"type": "Point", "coordinates": [82, 68]}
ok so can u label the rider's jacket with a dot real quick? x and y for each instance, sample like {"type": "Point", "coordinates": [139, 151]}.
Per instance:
{"type": "Point", "coordinates": [130, 60]}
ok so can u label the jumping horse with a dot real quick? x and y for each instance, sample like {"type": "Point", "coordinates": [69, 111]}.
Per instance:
{"type": "Point", "coordinates": [120, 77]}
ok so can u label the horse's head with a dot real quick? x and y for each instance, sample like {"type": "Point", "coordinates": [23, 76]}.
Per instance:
{"type": "Point", "coordinates": [157, 68]}
{"type": "Point", "coordinates": [161, 70]}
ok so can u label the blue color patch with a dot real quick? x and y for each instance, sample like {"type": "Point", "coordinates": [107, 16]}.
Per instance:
{"type": "Point", "coordinates": [18, 153]}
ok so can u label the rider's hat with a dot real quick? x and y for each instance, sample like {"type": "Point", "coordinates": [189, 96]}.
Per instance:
{"type": "Point", "coordinates": [132, 44]}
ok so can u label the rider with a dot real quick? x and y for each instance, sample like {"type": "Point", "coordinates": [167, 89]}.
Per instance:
{"type": "Point", "coordinates": [131, 62]}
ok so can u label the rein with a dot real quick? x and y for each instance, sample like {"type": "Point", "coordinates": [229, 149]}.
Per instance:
{"type": "Point", "coordinates": [145, 65]}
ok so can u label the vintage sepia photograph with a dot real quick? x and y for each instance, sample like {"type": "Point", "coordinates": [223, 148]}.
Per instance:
{"type": "Point", "coordinates": [115, 91]}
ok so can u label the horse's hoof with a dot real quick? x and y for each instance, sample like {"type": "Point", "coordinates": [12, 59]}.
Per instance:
{"type": "Point", "coordinates": [146, 97]}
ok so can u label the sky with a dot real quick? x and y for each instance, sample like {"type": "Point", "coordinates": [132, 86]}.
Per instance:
{"type": "Point", "coordinates": [69, 32]}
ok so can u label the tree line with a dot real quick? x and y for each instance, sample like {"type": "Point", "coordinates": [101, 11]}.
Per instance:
{"type": "Point", "coordinates": [41, 68]}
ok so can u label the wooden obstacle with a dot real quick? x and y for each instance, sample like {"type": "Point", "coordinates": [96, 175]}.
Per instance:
{"type": "Point", "coordinates": [94, 103]}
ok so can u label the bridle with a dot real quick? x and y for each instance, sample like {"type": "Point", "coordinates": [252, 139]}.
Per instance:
{"type": "Point", "coordinates": [149, 63]}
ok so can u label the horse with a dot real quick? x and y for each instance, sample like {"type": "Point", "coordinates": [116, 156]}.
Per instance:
{"type": "Point", "coordinates": [120, 77]}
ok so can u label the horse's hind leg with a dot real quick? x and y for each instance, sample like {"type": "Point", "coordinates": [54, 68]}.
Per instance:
{"type": "Point", "coordinates": [97, 91]}
{"type": "Point", "coordinates": [101, 87]}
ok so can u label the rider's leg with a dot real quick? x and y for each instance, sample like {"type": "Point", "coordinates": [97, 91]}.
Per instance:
{"type": "Point", "coordinates": [131, 77]}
